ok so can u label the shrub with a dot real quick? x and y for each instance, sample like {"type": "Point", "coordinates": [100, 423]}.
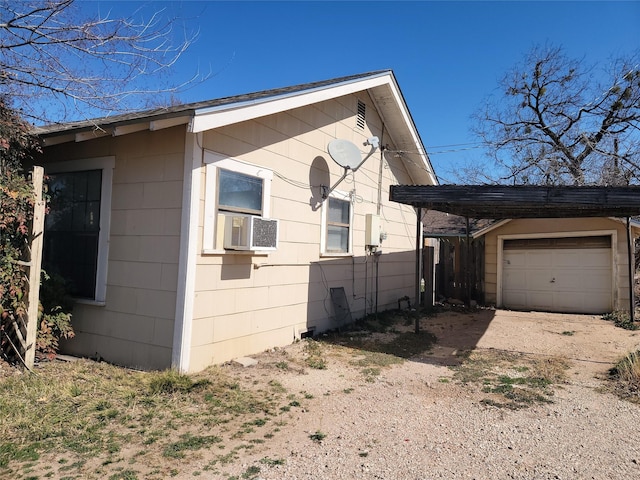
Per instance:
{"type": "Point", "coordinates": [54, 315]}
{"type": "Point", "coordinates": [16, 212]}
{"type": "Point", "coordinates": [627, 371]}
{"type": "Point", "coordinates": [621, 319]}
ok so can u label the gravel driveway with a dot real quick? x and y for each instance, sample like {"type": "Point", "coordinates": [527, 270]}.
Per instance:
{"type": "Point", "coordinates": [415, 421]}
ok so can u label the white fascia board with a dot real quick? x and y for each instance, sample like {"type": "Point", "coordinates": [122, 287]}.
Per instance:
{"type": "Point", "coordinates": [169, 122]}
{"type": "Point", "coordinates": [90, 135]}
{"type": "Point", "coordinates": [634, 223]}
{"type": "Point", "coordinates": [215, 117]}
{"type": "Point", "coordinates": [488, 228]}
{"type": "Point", "coordinates": [419, 148]}
{"type": "Point", "coordinates": [131, 128]}
{"type": "Point", "coordinates": [58, 139]}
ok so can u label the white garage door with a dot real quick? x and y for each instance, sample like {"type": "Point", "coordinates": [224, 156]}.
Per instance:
{"type": "Point", "coordinates": [558, 274]}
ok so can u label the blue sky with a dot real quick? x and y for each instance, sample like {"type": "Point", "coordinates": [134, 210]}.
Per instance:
{"type": "Point", "coordinates": [447, 56]}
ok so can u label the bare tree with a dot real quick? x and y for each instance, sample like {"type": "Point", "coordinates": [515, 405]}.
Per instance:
{"type": "Point", "coordinates": [52, 54]}
{"type": "Point", "coordinates": [558, 124]}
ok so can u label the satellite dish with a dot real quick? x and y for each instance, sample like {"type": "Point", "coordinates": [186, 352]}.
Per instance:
{"type": "Point", "coordinates": [345, 153]}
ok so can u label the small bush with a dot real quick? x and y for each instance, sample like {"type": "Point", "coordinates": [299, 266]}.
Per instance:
{"type": "Point", "coordinates": [318, 436]}
{"type": "Point", "coordinates": [620, 319]}
{"type": "Point", "coordinates": [626, 375]}
{"type": "Point", "coordinates": [54, 315]}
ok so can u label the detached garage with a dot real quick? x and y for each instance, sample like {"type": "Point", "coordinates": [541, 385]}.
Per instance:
{"type": "Point", "coordinates": [557, 249]}
{"type": "Point", "coordinates": [573, 265]}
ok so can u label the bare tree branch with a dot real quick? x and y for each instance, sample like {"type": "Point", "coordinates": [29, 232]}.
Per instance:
{"type": "Point", "coordinates": [556, 124]}
{"type": "Point", "coordinates": [50, 51]}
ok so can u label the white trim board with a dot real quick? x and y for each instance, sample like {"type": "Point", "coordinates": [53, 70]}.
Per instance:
{"type": "Point", "coordinates": [185, 295]}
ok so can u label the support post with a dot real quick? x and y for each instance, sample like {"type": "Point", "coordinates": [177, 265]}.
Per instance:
{"type": "Point", "coordinates": [419, 242]}
{"type": "Point", "coordinates": [467, 266]}
{"type": "Point", "coordinates": [35, 265]}
{"type": "Point", "coordinates": [631, 260]}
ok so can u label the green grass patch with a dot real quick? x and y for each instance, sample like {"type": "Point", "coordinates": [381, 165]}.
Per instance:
{"type": "Point", "coordinates": [124, 475]}
{"type": "Point", "coordinates": [318, 436]}
{"type": "Point", "coordinates": [514, 380]}
{"type": "Point", "coordinates": [314, 355]}
{"type": "Point", "coordinates": [189, 442]}
{"type": "Point", "coordinates": [251, 471]}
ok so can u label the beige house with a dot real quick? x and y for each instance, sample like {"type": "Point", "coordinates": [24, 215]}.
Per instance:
{"type": "Point", "coordinates": [200, 233]}
{"type": "Point", "coordinates": [578, 265]}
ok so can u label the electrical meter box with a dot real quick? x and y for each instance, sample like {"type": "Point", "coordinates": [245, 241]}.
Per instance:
{"type": "Point", "coordinates": [372, 230]}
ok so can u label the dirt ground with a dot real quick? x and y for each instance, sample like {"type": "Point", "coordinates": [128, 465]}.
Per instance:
{"type": "Point", "coordinates": [413, 420]}
{"type": "Point", "coordinates": [343, 404]}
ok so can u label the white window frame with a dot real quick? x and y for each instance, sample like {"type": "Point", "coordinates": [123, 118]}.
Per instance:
{"type": "Point", "coordinates": [106, 164]}
{"type": "Point", "coordinates": [346, 196]}
{"type": "Point", "coordinates": [213, 162]}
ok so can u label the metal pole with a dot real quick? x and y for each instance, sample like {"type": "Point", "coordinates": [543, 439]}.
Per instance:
{"type": "Point", "coordinates": [467, 273]}
{"type": "Point", "coordinates": [418, 263]}
{"type": "Point", "coordinates": [631, 260]}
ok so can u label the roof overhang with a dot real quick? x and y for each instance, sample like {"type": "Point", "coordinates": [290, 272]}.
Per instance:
{"type": "Point", "coordinates": [202, 116]}
{"type": "Point", "coordinates": [525, 201]}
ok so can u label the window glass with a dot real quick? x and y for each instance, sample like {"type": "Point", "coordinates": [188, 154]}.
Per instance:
{"type": "Point", "coordinates": [72, 230]}
{"type": "Point", "coordinates": [338, 211]}
{"type": "Point", "coordinates": [239, 192]}
{"type": "Point", "coordinates": [338, 219]}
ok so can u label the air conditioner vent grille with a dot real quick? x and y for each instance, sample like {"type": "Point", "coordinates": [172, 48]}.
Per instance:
{"type": "Point", "coordinates": [265, 233]}
{"type": "Point", "coordinates": [248, 232]}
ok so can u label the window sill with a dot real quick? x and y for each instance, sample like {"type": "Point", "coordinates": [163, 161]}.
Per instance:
{"type": "Point", "coordinates": [336, 254]}
{"type": "Point", "coordinates": [253, 253]}
{"type": "Point", "coordinates": [93, 303]}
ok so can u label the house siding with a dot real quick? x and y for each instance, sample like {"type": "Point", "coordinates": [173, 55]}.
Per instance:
{"type": "Point", "coordinates": [541, 226]}
{"type": "Point", "coordinates": [247, 303]}
{"type": "Point", "coordinates": [135, 326]}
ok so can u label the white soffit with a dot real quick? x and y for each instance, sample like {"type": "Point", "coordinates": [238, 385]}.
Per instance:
{"type": "Point", "coordinates": [214, 117]}
{"type": "Point", "coordinates": [418, 167]}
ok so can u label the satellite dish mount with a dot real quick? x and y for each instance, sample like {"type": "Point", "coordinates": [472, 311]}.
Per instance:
{"type": "Point", "coordinates": [348, 156]}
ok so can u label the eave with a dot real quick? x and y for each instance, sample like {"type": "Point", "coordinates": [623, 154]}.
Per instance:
{"type": "Point", "coordinates": [382, 87]}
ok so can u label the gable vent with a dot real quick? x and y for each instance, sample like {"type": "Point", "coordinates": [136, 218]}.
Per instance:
{"type": "Point", "coordinates": [362, 110]}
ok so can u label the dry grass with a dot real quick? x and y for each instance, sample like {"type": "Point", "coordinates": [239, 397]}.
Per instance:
{"type": "Point", "coordinates": [94, 418]}
{"type": "Point", "coordinates": [625, 376]}
{"type": "Point", "coordinates": [511, 380]}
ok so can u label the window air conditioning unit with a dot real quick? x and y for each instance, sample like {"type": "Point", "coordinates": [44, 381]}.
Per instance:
{"type": "Point", "coordinates": [248, 232]}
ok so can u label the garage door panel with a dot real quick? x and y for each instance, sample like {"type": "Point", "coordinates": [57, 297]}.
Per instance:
{"type": "Point", "coordinates": [588, 257]}
{"type": "Point", "coordinates": [514, 259]}
{"type": "Point", "coordinates": [538, 259]}
{"type": "Point", "coordinates": [518, 299]}
{"type": "Point", "coordinates": [594, 281]}
{"type": "Point", "coordinates": [569, 301]}
{"type": "Point", "coordinates": [539, 280]}
{"type": "Point", "coordinates": [540, 300]}
{"type": "Point", "coordinates": [517, 280]}
{"type": "Point", "coordinates": [558, 279]}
